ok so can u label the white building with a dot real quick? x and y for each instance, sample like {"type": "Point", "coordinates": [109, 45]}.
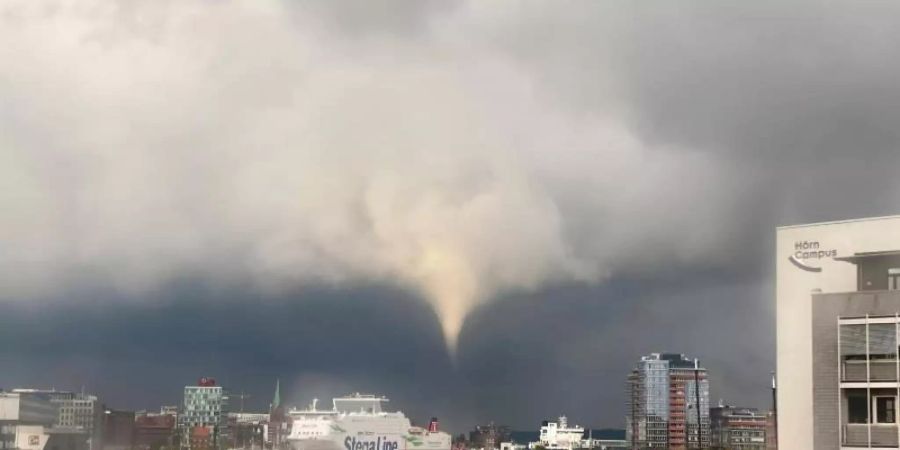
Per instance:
{"type": "Point", "coordinates": [838, 309]}
{"type": "Point", "coordinates": [77, 412]}
{"type": "Point", "coordinates": [25, 420]}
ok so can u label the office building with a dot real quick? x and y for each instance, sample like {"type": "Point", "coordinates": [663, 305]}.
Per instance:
{"type": "Point", "coordinates": [82, 411]}
{"type": "Point", "coordinates": [77, 411]}
{"type": "Point", "coordinates": [668, 403]}
{"type": "Point", "coordinates": [838, 306]}
{"type": "Point", "coordinates": [733, 428]}
{"type": "Point", "coordinates": [25, 419]}
{"type": "Point", "coordinates": [203, 420]}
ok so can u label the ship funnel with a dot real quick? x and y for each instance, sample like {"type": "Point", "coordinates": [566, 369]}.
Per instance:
{"type": "Point", "coordinates": [433, 425]}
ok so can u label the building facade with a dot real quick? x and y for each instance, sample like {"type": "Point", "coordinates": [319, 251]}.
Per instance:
{"type": "Point", "coordinates": [77, 412]}
{"type": "Point", "coordinates": [247, 430]}
{"type": "Point", "coordinates": [118, 429]}
{"type": "Point", "coordinates": [737, 428]}
{"type": "Point", "coordinates": [154, 431]}
{"type": "Point", "coordinates": [25, 420]}
{"type": "Point", "coordinates": [668, 404]}
{"type": "Point", "coordinates": [82, 411]}
{"type": "Point", "coordinates": [837, 303]}
{"type": "Point", "coordinates": [203, 419]}
{"type": "Point", "coordinates": [489, 436]}
{"type": "Point", "coordinates": [771, 431]}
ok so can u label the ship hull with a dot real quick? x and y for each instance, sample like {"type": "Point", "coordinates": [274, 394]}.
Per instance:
{"type": "Point", "coordinates": [433, 441]}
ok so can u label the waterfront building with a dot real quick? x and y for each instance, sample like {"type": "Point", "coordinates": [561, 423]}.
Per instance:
{"type": "Point", "coordinates": [668, 403]}
{"type": "Point", "coordinates": [735, 428]}
{"type": "Point", "coordinates": [77, 411]}
{"type": "Point", "coordinates": [203, 421]}
{"type": "Point", "coordinates": [838, 309]}
{"type": "Point", "coordinates": [25, 419]}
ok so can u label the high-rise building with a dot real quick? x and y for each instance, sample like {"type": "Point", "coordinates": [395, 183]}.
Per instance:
{"type": "Point", "coordinates": [203, 419]}
{"type": "Point", "coordinates": [838, 309]}
{"type": "Point", "coordinates": [733, 428]}
{"type": "Point", "coordinates": [668, 403]}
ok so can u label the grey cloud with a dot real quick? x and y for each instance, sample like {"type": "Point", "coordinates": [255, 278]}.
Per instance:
{"type": "Point", "coordinates": [403, 18]}
{"type": "Point", "coordinates": [793, 106]}
{"type": "Point", "coordinates": [568, 350]}
{"type": "Point", "coordinates": [470, 152]}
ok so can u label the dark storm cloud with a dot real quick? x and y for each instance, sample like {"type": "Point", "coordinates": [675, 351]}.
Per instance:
{"type": "Point", "coordinates": [797, 102]}
{"type": "Point", "coordinates": [610, 173]}
{"type": "Point", "coordinates": [139, 353]}
{"type": "Point", "coordinates": [568, 350]}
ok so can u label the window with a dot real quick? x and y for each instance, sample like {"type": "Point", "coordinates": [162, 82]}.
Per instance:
{"type": "Point", "coordinates": [894, 279]}
{"type": "Point", "coordinates": [857, 408]}
{"type": "Point", "coordinates": [885, 409]}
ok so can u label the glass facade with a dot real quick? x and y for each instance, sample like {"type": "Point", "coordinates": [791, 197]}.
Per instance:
{"type": "Point", "coordinates": [663, 392]}
{"type": "Point", "coordinates": [203, 406]}
{"type": "Point", "coordinates": [203, 419]}
{"type": "Point", "coordinates": [869, 373]}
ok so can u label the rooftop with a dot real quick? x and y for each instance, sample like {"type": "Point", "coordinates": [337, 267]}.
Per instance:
{"type": "Point", "coordinates": [836, 222]}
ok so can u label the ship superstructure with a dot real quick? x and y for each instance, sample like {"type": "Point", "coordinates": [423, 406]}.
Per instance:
{"type": "Point", "coordinates": [358, 422]}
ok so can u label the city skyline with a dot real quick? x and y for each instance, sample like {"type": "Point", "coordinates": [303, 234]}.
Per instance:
{"type": "Point", "coordinates": [481, 210]}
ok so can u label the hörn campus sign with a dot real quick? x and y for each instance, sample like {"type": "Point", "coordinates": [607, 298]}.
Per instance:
{"type": "Point", "coordinates": [806, 254]}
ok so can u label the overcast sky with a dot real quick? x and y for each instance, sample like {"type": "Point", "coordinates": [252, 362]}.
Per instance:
{"type": "Point", "coordinates": [483, 210]}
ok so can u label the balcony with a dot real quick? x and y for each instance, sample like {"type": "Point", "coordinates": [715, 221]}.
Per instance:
{"type": "Point", "coordinates": [880, 371]}
{"type": "Point", "coordinates": [857, 435]}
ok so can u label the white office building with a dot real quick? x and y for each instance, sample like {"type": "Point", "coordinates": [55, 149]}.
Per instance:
{"type": "Point", "coordinates": [77, 411]}
{"type": "Point", "coordinates": [838, 309]}
{"type": "Point", "coordinates": [25, 420]}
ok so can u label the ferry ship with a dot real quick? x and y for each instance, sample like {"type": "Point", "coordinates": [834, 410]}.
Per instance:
{"type": "Point", "coordinates": [358, 422]}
